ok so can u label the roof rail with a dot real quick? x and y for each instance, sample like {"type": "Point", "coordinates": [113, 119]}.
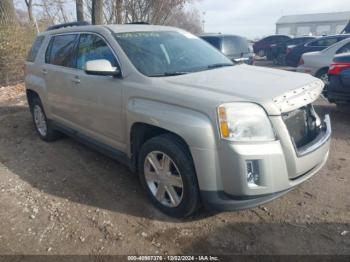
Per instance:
{"type": "Point", "coordinates": [53, 27]}
{"type": "Point", "coordinates": [138, 23]}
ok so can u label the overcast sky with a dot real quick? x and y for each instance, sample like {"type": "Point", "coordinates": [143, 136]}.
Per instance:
{"type": "Point", "coordinates": [256, 18]}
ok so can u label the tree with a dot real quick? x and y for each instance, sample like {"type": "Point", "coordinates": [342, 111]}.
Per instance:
{"type": "Point", "coordinates": [29, 4]}
{"type": "Point", "coordinates": [80, 10]}
{"type": "Point", "coordinates": [7, 12]}
{"type": "Point", "coordinates": [189, 20]}
{"type": "Point", "coordinates": [97, 12]}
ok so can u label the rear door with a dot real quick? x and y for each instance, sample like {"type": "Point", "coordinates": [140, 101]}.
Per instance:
{"type": "Point", "coordinates": [58, 71]}
{"type": "Point", "coordinates": [98, 99]}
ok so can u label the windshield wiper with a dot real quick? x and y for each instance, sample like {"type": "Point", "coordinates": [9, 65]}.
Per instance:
{"type": "Point", "coordinates": [169, 74]}
{"type": "Point", "coordinates": [219, 65]}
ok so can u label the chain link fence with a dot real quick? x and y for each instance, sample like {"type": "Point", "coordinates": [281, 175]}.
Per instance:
{"type": "Point", "coordinates": [15, 42]}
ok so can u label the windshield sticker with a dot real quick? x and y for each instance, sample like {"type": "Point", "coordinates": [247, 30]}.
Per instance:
{"type": "Point", "coordinates": [137, 34]}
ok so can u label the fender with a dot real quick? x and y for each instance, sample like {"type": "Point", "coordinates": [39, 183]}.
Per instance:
{"type": "Point", "coordinates": [192, 126]}
{"type": "Point", "coordinates": [38, 85]}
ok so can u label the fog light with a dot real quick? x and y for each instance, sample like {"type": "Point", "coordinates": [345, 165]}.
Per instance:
{"type": "Point", "coordinates": [253, 176]}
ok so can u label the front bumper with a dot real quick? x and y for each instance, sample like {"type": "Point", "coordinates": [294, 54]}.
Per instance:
{"type": "Point", "coordinates": [221, 201]}
{"type": "Point", "coordinates": [281, 168]}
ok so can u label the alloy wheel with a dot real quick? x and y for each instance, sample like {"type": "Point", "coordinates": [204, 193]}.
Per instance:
{"type": "Point", "coordinates": [40, 120]}
{"type": "Point", "coordinates": [163, 178]}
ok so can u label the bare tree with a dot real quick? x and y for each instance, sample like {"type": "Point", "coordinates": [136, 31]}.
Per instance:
{"type": "Point", "coordinates": [189, 20]}
{"type": "Point", "coordinates": [97, 12]}
{"type": "Point", "coordinates": [7, 12]}
{"type": "Point", "coordinates": [161, 12]}
{"type": "Point", "coordinates": [29, 4]}
{"type": "Point", "coordinates": [53, 11]}
{"type": "Point", "coordinates": [80, 10]}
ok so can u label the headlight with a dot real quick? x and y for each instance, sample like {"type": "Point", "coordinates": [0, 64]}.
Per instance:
{"type": "Point", "coordinates": [244, 122]}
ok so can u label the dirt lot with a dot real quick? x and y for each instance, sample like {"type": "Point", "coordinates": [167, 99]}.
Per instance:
{"type": "Point", "coordinates": [63, 198]}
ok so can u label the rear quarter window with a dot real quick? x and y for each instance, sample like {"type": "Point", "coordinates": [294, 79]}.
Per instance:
{"type": "Point", "coordinates": [344, 49]}
{"type": "Point", "coordinates": [342, 59]}
{"type": "Point", "coordinates": [234, 45]}
{"type": "Point", "coordinates": [33, 52]}
{"type": "Point", "coordinates": [324, 42]}
{"type": "Point", "coordinates": [214, 41]}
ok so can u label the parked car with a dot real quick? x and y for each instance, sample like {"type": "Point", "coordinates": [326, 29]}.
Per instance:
{"type": "Point", "coordinates": [319, 44]}
{"type": "Point", "coordinates": [196, 127]}
{"type": "Point", "coordinates": [280, 51]}
{"type": "Point", "coordinates": [264, 46]}
{"type": "Point", "coordinates": [317, 63]}
{"type": "Point", "coordinates": [338, 90]}
{"type": "Point", "coordinates": [234, 47]}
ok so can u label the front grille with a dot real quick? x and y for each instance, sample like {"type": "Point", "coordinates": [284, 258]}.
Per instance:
{"type": "Point", "coordinates": [302, 124]}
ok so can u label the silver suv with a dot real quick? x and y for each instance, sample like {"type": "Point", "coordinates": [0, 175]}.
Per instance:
{"type": "Point", "coordinates": [197, 128]}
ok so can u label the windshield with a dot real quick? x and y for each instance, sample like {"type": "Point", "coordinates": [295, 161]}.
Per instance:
{"type": "Point", "coordinates": [234, 45]}
{"type": "Point", "coordinates": [165, 53]}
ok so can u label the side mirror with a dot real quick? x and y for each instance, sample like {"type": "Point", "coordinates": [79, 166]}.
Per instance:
{"type": "Point", "coordinates": [101, 67]}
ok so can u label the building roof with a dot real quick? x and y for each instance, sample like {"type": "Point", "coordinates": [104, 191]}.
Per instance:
{"type": "Point", "coordinates": [309, 18]}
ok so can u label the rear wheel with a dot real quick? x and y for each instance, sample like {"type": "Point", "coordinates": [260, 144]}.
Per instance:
{"type": "Point", "coordinates": [261, 53]}
{"type": "Point", "coordinates": [323, 75]}
{"type": "Point", "coordinates": [42, 125]}
{"type": "Point", "coordinates": [168, 175]}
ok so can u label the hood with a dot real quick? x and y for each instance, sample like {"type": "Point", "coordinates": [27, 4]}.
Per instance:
{"type": "Point", "coordinates": [264, 86]}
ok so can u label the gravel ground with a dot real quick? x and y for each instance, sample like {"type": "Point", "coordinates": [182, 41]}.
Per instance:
{"type": "Point", "coordinates": [64, 198]}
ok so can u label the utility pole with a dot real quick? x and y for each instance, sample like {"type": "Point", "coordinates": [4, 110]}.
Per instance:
{"type": "Point", "coordinates": [203, 21]}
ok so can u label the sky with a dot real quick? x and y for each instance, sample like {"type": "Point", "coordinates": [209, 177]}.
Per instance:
{"type": "Point", "coordinates": [257, 18]}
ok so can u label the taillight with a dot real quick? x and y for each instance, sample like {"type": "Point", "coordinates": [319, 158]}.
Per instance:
{"type": "Point", "coordinates": [336, 68]}
{"type": "Point", "coordinates": [301, 61]}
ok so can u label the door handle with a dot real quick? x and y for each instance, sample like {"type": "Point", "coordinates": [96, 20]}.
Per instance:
{"type": "Point", "coordinates": [76, 80]}
{"type": "Point", "coordinates": [44, 71]}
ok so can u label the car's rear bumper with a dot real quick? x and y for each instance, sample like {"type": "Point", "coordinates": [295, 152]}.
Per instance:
{"type": "Point", "coordinates": [338, 96]}
{"type": "Point", "coordinates": [336, 91]}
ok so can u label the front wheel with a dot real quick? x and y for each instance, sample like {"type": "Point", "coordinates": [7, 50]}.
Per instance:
{"type": "Point", "coordinates": [168, 175]}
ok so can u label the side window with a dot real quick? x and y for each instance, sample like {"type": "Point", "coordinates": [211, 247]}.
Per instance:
{"type": "Point", "coordinates": [344, 49]}
{"type": "Point", "coordinates": [330, 41]}
{"type": "Point", "coordinates": [214, 41]}
{"type": "Point", "coordinates": [268, 40]}
{"type": "Point", "coordinates": [93, 47]}
{"type": "Point", "coordinates": [35, 48]}
{"type": "Point", "coordinates": [324, 42]}
{"type": "Point", "coordinates": [61, 50]}
{"type": "Point", "coordinates": [281, 39]}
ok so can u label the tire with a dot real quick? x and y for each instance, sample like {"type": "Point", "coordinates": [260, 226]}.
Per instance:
{"type": "Point", "coordinates": [323, 75]}
{"type": "Point", "coordinates": [181, 166]}
{"type": "Point", "coordinates": [43, 127]}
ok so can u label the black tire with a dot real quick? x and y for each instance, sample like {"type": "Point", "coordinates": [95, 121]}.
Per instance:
{"type": "Point", "coordinates": [322, 72]}
{"type": "Point", "coordinates": [173, 147]}
{"type": "Point", "coordinates": [51, 134]}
